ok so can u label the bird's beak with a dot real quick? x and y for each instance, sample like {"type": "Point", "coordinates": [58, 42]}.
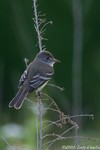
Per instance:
{"type": "Point", "coordinates": [57, 61]}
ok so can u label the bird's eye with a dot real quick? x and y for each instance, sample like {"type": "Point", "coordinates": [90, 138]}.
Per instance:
{"type": "Point", "coordinates": [47, 58]}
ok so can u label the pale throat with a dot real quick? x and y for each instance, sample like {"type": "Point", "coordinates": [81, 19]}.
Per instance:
{"type": "Point", "coordinates": [51, 64]}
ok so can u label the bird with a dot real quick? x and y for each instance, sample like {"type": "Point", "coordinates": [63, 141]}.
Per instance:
{"type": "Point", "coordinates": [35, 77]}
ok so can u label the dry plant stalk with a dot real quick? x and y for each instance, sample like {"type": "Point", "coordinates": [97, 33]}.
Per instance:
{"type": "Point", "coordinates": [62, 120]}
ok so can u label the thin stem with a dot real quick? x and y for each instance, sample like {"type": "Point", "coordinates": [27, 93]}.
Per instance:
{"type": "Point", "coordinates": [37, 24]}
{"type": "Point", "coordinates": [37, 133]}
{"type": "Point", "coordinates": [40, 119]}
{"type": "Point", "coordinates": [52, 123]}
{"type": "Point", "coordinates": [82, 115]}
{"type": "Point", "coordinates": [56, 86]}
{"type": "Point", "coordinates": [7, 142]}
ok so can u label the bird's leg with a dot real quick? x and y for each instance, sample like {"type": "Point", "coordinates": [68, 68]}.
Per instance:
{"type": "Point", "coordinates": [39, 94]}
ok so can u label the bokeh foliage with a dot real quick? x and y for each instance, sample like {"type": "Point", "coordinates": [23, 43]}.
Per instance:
{"type": "Point", "coordinates": [18, 40]}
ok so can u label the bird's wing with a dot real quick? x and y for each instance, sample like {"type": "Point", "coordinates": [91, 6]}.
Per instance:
{"type": "Point", "coordinates": [23, 78]}
{"type": "Point", "coordinates": [38, 80]}
{"type": "Point", "coordinates": [35, 78]}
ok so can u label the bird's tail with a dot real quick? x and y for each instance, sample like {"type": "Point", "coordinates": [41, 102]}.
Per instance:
{"type": "Point", "coordinates": [18, 100]}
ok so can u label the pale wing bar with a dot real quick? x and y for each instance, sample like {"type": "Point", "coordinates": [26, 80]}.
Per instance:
{"type": "Point", "coordinates": [39, 80]}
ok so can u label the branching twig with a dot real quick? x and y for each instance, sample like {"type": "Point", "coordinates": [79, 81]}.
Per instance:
{"type": "Point", "coordinates": [57, 123]}
{"type": "Point", "coordinates": [58, 138]}
{"type": "Point", "coordinates": [31, 101]}
{"type": "Point", "coordinates": [58, 87]}
{"type": "Point", "coordinates": [52, 101]}
{"type": "Point", "coordinates": [82, 115]}
{"type": "Point", "coordinates": [26, 61]}
{"type": "Point", "coordinates": [62, 116]}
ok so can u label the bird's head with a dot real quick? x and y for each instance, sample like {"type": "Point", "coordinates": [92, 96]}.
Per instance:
{"type": "Point", "coordinates": [47, 58]}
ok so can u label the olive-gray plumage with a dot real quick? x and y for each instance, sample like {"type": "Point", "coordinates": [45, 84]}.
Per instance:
{"type": "Point", "coordinates": [35, 77]}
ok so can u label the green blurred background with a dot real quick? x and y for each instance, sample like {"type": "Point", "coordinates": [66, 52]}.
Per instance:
{"type": "Point", "coordinates": [74, 38]}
